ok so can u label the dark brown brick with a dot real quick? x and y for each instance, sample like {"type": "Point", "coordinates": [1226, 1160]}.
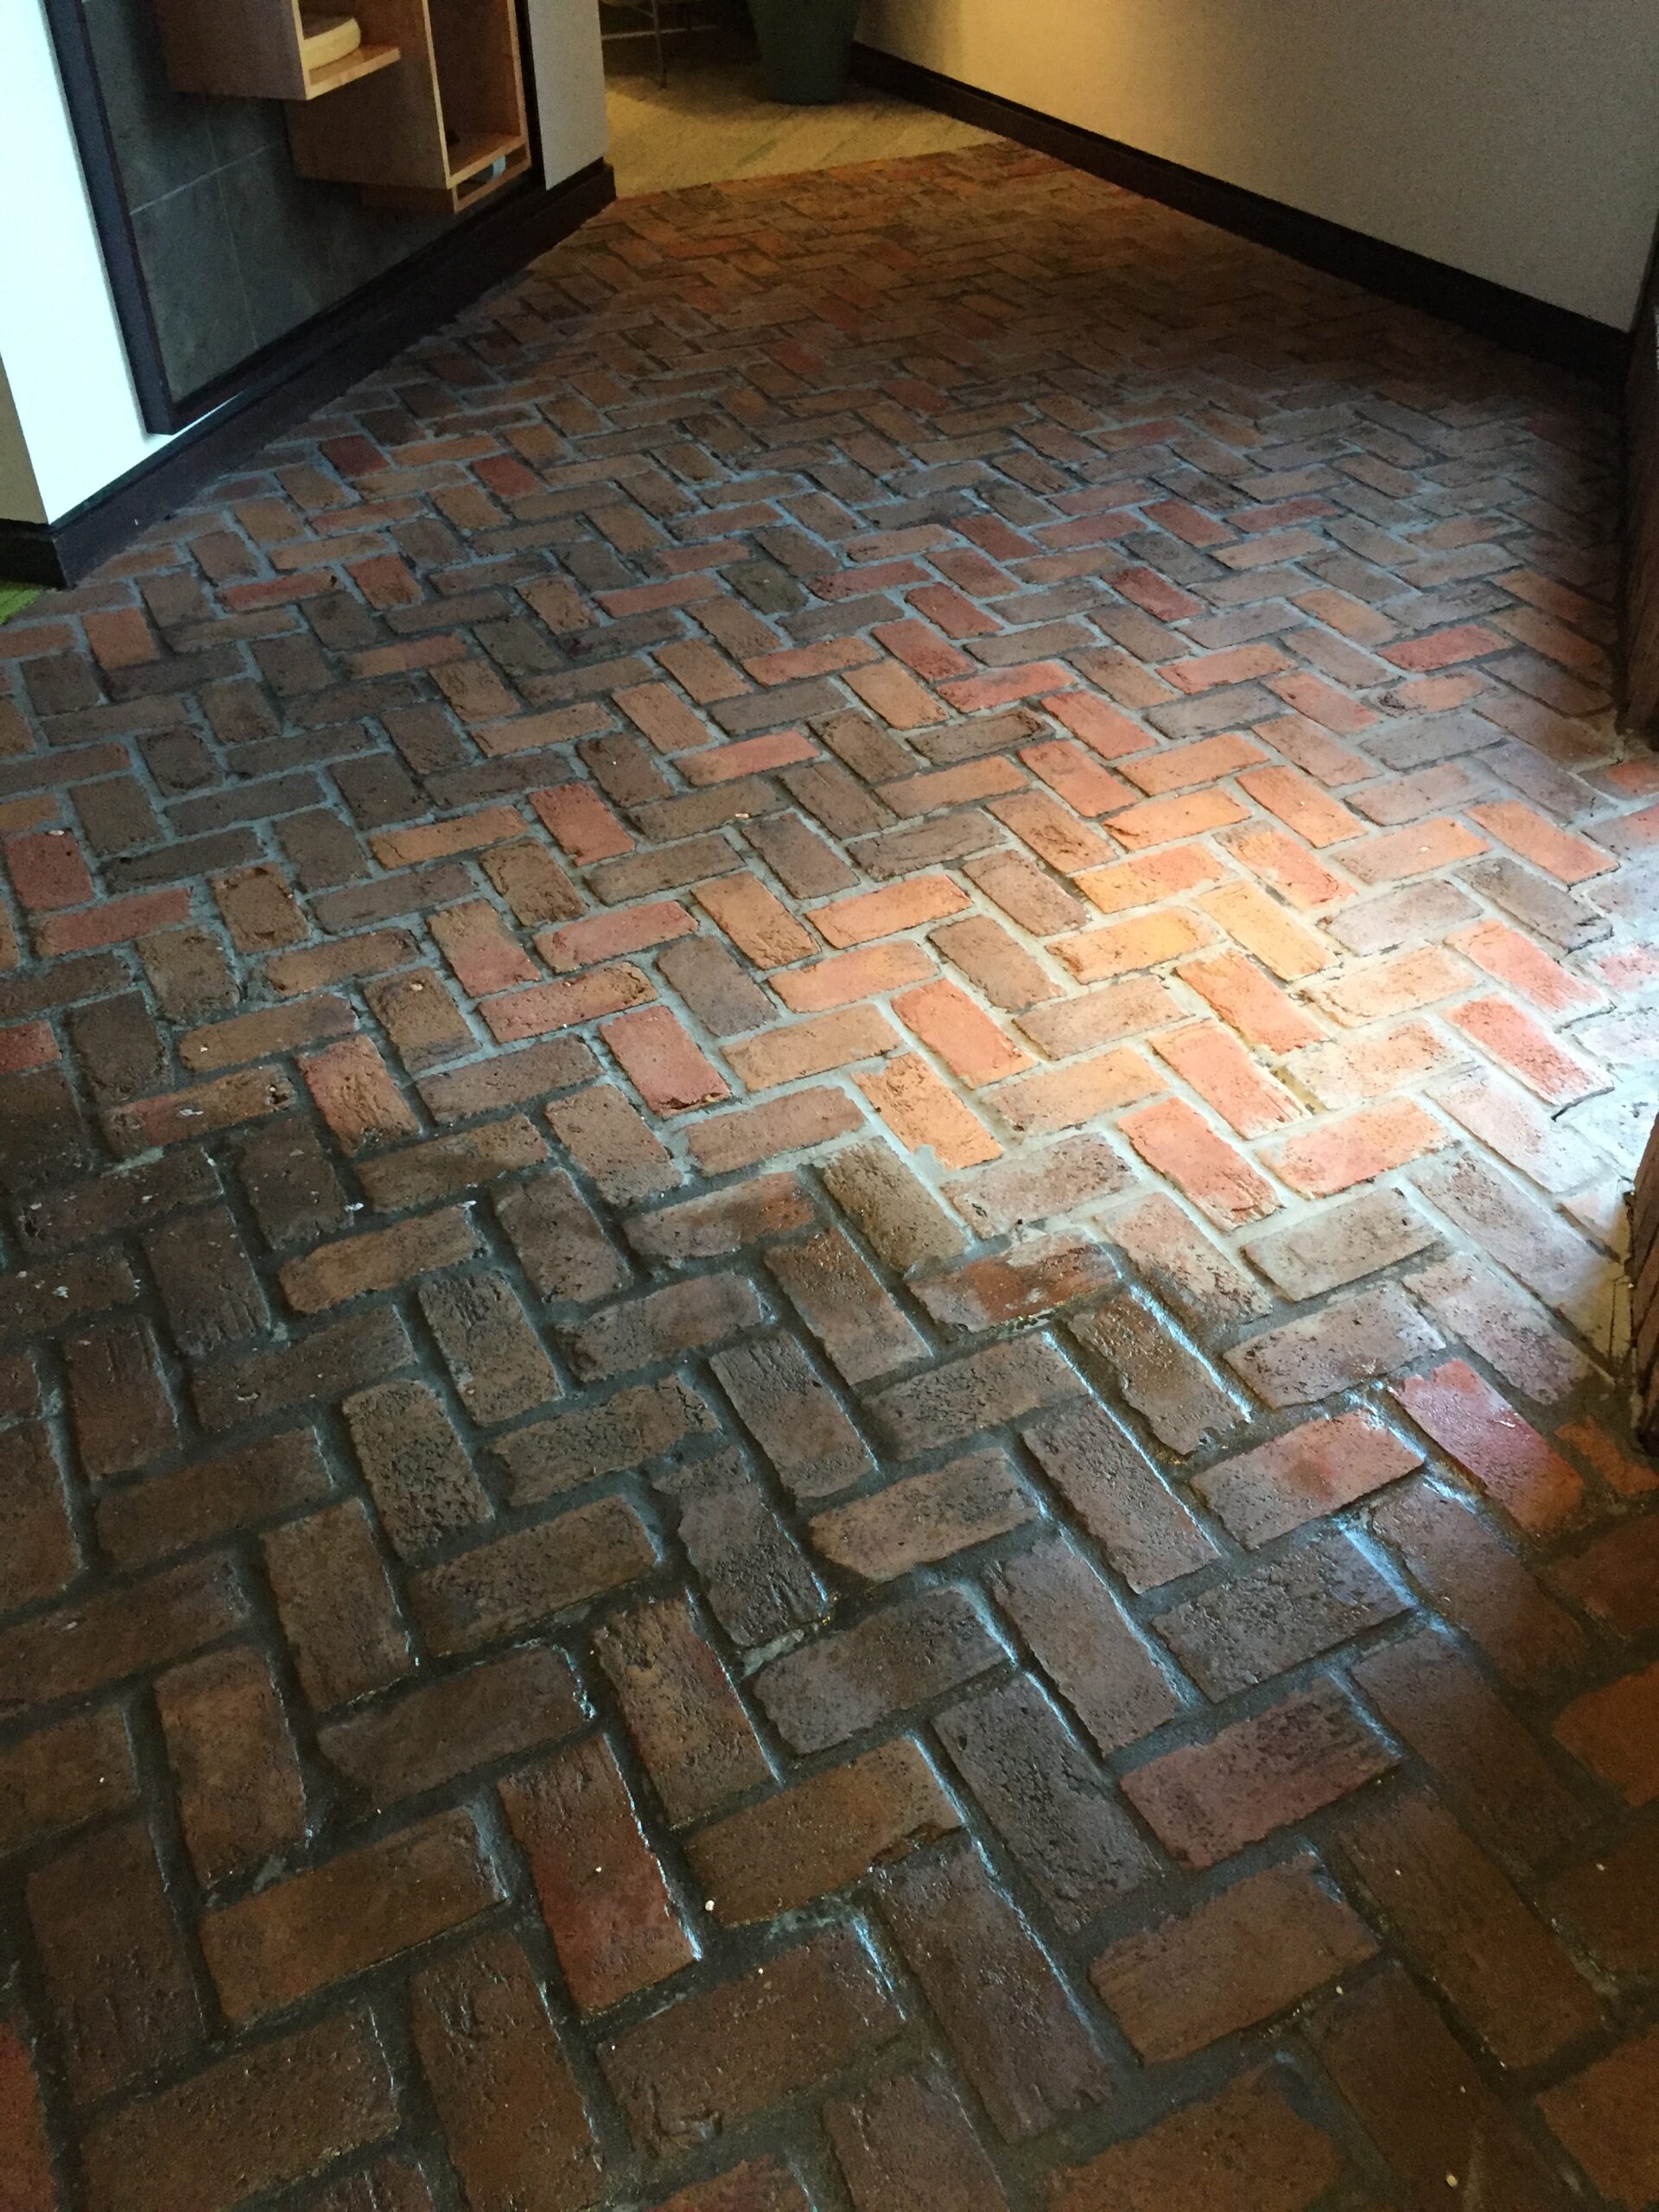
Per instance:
{"type": "Point", "coordinates": [1245, 2150]}
{"type": "Point", "coordinates": [613, 1145]}
{"type": "Point", "coordinates": [755, 1577]}
{"type": "Point", "coordinates": [1486, 1761]}
{"type": "Point", "coordinates": [118, 1404]}
{"type": "Point", "coordinates": [624, 1430]}
{"type": "Point", "coordinates": [706, 1229]}
{"type": "Point", "coordinates": [708, 2062]}
{"type": "Point", "coordinates": [424, 1737]}
{"type": "Point", "coordinates": [274, 2115]}
{"type": "Point", "coordinates": [664, 1324]}
{"type": "Point", "coordinates": [1254, 1950]}
{"type": "Point", "coordinates": [687, 1721]}
{"type": "Point", "coordinates": [560, 1244]}
{"type": "Point", "coordinates": [861, 1329]}
{"type": "Point", "coordinates": [207, 1284]}
{"type": "Point", "coordinates": [121, 1198]}
{"type": "Point", "coordinates": [1048, 1799]}
{"type": "Point", "coordinates": [212, 1498]}
{"type": "Point", "coordinates": [497, 1588]}
{"type": "Point", "coordinates": [336, 1605]}
{"type": "Point", "coordinates": [508, 1079]}
{"type": "Point", "coordinates": [1277, 1614]}
{"type": "Point", "coordinates": [793, 1415]}
{"type": "Point", "coordinates": [1423, 2101]}
{"type": "Point", "coordinates": [114, 1962]}
{"type": "Point", "coordinates": [59, 1776]}
{"type": "Point", "coordinates": [507, 2098]}
{"type": "Point", "coordinates": [1145, 1529]}
{"type": "Point", "coordinates": [292, 1184]}
{"type": "Point", "coordinates": [905, 2145]}
{"type": "Point", "coordinates": [240, 1793]}
{"type": "Point", "coordinates": [1086, 1643]}
{"type": "Point", "coordinates": [1611, 1903]}
{"type": "Point", "coordinates": [1002, 1383]}
{"type": "Point", "coordinates": [1504, 1974]}
{"type": "Point", "coordinates": [906, 1225]}
{"type": "Point", "coordinates": [417, 1469]}
{"type": "Point", "coordinates": [363, 1906]}
{"type": "Point", "coordinates": [820, 1834]}
{"type": "Point", "coordinates": [905, 1654]}
{"type": "Point", "coordinates": [614, 1923]}
{"type": "Point", "coordinates": [924, 1517]}
{"type": "Point", "coordinates": [380, 1259]}
{"type": "Point", "coordinates": [119, 1049]}
{"type": "Point", "coordinates": [39, 1551]}
{"type": "Point", "coordinates": [118, 1632]}
{"type": "Point", "coordinates": [488, 1344]}
{"type": "Point", "coordinates": [1209, 1799]}
{"type": "Point", "coordinates": [324, 1362]}
{"type": "Point", "coordinates": [1018, 2031]}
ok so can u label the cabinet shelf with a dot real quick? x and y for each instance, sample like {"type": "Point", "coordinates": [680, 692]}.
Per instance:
{"type": "Point", "coordinates": [443, 130]}
{"type": "Point", "coordinates": [269, 50]}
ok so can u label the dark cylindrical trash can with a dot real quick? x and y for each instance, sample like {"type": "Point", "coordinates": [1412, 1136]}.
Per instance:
{"type": "Point", "coordinates": [806, 46]}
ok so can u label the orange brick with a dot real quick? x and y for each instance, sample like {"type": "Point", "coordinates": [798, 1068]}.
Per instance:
{"type": "Point", "coordinates": [1081, 781]}
{"type": "Point", "coordinates": [965, 1038]}
{"type": "Point", "coordinates": [1175, 1140]}
{"type": "Point", "coordinates": [1322, 702]}
{"type": "Point", "coordinates": [1516, 960]}
{"type": "Point", "coordinates": [750, 756]}
{"type": "Point", "coordinates": [1002, 687]}
{"type": "Point", "coordinates": [580, 824]}
{"type": "Point", "coordinates": [893, 692]}
{"type": "Point", "coordinates": [475, 941]}
{"type": "Point", "coordinates": [1468, 641]}
{"type": "Point", "coordinates": [115, 922]}
{"type": "Point", "coordinates": [1183, 768]}
{"type": "Point", "coordinates": [1102, 727]}
{"type": "Point", "coordinates": [1124, 946]}
{"type": "Point", "coordinates": [658, 1057]}
{"type": "Point", "coordinates": [1301, 805]}
{"type": "Point", "coordinates": [941, 787]}
{"type": "Point", "coordinates": [1511, 1037]}
{"type": "Point", "coordinates": [921, 1113]}
{"type": "Point", "coordinates": [660, 715]}
{"type": "Point", "coordinates": [1237, 664]}
{"type": "Point", "coordinates": [223, 1103]}
{"type": "Point", "coordinates": [355, 1094]}
{"type": "Point", "coordinates": [1062, 1098]}
{"type": "Point", "coordinates": [1415, 850]}
{"type": "Point", "coordinates": [1224, 1076]}
{"type": "Point", "coordinates": [1250, 1002]}
{"type": "Point", "coordinates": [1278, 941]}
{"type": "Point", "coordinates": [794, 663]}
{"type": "Point", "coordinates": [756, 920]}
{"type": "Point", "coordinates": [1155, 876]}
{"type": "Point", "coordinates": [1289, 867]}
{"type": "Point", "coordinates": [869, 914]}
{"type": "Point", "coordinates": [1560, 852]}
{"type": "Point", "coordinates": [1490, 1442]}
{"type": "Point", "coordinates": [846, 977]}
{"type": "Point", "coordinates": [1371, 1067]}
{"type": "Point", "coordinates": [1053, 833]}
{"type": "Point", "coordinates": [606, 937]}
{"type": "Point", "coordinates": [803, 1048]}
{"type": "Point", "coordinates": [546, 1006]}
{"type": "Point", "coordinates": [1398, 983]}
{"type": "Point", "coordinates": [1160, 821]}
{"type": "Point", "coordinates": [436, 840]}
{"type": "Point", "coordinates": [1371, 1142]}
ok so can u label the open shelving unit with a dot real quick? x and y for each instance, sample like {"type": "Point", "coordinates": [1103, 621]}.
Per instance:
{"type": "Point", "coordinates": [271, 49]}
{"type": "Point", "coordinates": [443, 130]}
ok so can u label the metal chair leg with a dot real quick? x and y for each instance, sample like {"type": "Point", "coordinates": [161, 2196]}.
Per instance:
{"type": "Point", "coordinates": [661, 51]}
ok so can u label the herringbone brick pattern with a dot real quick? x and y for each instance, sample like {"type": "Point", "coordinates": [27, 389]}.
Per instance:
{"type": "Point", "coordinates": [820, 1068]}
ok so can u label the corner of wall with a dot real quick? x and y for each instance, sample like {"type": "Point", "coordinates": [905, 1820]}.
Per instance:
{"type": "Point", "coordinates": [20, 495]}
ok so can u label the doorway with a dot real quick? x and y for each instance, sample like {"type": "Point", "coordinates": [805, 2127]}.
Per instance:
{"type": "Point", "coordinates": [711, 121]}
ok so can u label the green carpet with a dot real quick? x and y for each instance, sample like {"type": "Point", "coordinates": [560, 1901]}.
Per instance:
{"type": "Point", "coordinates": [14, 597]}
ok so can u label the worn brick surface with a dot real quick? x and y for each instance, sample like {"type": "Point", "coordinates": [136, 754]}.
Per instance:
{"type": "Point", "coordinates": [816, 1072]}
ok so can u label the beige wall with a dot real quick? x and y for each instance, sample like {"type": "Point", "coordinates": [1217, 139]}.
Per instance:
{"type": "Point", "coordinates": [1518, 139]}
{"type": "Point", "coordinates": [20, 495]}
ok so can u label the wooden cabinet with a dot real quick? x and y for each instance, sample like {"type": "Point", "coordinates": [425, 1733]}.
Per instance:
{"type": "Point", "coordinates": [270, 49]}
{"type": "Point", "coordinates": [443, 129]}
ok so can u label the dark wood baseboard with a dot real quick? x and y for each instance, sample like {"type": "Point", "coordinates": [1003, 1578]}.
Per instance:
{"type": "Point", "coordinates": [309, 369]}
{"type": "Point", "coordinates": [1493, 311]}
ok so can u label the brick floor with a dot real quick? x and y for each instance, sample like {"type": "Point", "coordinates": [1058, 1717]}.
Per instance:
{"type": "Point", "coordinates": [818, 1072]}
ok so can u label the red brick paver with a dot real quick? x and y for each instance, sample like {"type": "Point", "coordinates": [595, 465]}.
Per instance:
{"type": "Point", "coordinates": [815, 1075]}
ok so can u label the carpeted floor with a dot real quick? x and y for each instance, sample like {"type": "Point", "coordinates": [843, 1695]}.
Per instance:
{"type": "Point", "coordinates": [819, 1066]}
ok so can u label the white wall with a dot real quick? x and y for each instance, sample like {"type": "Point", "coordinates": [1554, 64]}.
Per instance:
{"type": "Point", "coordinates": [65, 358]}
{"type": "Point", "coordinates": [1518, 139]}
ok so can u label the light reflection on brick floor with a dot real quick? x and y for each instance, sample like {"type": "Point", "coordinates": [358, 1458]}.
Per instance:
{"type": "Point", "coordinates": [819, 1068]}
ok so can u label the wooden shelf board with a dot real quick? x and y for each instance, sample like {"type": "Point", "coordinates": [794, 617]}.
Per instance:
{"type": "Point", "coordinates": [361, 62]}
{"type": "Point", "coordinates": [468, 155]}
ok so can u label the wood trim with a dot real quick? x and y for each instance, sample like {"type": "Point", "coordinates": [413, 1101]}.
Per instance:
{"type": "Point", "coordinates": [1639, 592]}
{"type": "Point", "coordinates": [1493, 311]}
{"type": "Point", "coordinates": [307, 371]}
